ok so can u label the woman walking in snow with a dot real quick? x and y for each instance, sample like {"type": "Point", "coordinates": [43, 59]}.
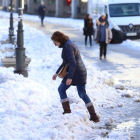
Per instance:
{"type": "Point", "coordinates": [76, 73]}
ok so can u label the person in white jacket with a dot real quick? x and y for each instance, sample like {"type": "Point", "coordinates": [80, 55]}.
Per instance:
{"type": "Point", "coordinates": [103, 36]}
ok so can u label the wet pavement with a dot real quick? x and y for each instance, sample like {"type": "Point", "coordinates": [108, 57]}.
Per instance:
{"type": "Point", "coordinates": [129, 120]}
{"type": "Point", "coordinates": [122, 62]}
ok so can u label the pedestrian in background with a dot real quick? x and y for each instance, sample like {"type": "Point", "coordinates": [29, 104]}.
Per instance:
{"type": "Point", "coordinates": [103, 16]}
{"type": "Point", "coordinates": [88, 29]}
{"type": "Point", "coordinates": [41, 12]}
{"type": "Point", "coordinates": [103, 36]}
{"type": "Point", "coordinates": [76, 73]}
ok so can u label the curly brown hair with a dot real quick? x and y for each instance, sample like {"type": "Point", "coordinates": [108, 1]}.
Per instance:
{"type": "Point", "coordinates": [59, 37]}
{"type": "Point", "coordinates": [86, 17]}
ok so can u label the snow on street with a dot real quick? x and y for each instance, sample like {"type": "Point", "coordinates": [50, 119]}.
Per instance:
{"type": "Point", "coordinates": [31, 108]}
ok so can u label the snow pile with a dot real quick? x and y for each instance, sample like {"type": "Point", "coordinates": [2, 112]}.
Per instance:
{"type": "Point", "coordinates": [120, 104]}
{"type": "Point", "coordinates": [107, 78]}
{"type": "Point", "coordinates": [136, 99]}
{"type": "Point", "coordinates": [129, 94]}
{"type": "Point", "coordinates": [30, 110]}
{"type": "Point", "coordinates": [132, 44]}
{"type": "Point", "coordinates": [108, 122]}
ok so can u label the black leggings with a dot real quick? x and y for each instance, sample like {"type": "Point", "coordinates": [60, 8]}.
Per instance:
{"type": "Point", "coordinates": [103, 48]}
{"type": "Point", "coordinates": [86, 36]}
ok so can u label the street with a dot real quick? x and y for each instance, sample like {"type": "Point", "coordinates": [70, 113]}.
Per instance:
{"type": "Point", "coordinates": [122, 62]}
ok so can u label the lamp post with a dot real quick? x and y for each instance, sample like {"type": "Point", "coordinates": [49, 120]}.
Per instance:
{"type": "Point", "coordinates": [11, 29]}
{"type": "Point", "coordinates": [20, 50]}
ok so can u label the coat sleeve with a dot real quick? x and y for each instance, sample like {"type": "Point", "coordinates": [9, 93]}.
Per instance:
{"type": "Point", "coordinates": [84, 23]}
{"type": "Point", "coordinates": [109, 34]}
{"type": "Point", "coordinates": [71, 58]}
{"type": "Point", "coordinates": [60, 67]}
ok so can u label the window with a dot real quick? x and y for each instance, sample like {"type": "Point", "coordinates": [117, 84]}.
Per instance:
{"type": "Point", "coordinates": [122, 10]}
{"type": "Point", "coordinates": [37, 1]}
{"type": "Point", "coordinates": [51, 1]}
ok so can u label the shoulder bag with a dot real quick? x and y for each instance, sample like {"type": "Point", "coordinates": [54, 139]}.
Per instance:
{"type": "Point", "coordinates": [62, 73]}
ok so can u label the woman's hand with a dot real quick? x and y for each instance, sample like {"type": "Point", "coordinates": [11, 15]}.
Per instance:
{"type": "Point", "coordinates": [68, 82]}
{"type": "Point", "coordinates": [54, 76]}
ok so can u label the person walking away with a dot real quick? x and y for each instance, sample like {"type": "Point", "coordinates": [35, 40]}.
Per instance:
{"type": "Point", "coordinates": [76, 74]}
{"type": "Point", "coordinates": [103, 36]}
{"type": "Point", "coordinates": [41, 12]}
{"type": "Point", "coordinates": [88, 29]}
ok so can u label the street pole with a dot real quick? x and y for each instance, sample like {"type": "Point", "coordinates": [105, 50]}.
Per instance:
{"type": "Point", "coordinates": [11, 29]}
{"type": "Point", "coordinates": [20, 50]}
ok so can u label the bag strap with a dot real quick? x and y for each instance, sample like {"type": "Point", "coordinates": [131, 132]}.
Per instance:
{"type": "Point", "coordinates": [76, 52]}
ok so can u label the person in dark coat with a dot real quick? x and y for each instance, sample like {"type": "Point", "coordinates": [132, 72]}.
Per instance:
{"type": "Point", "coordinates": [41, 12]}
{"type": "Point", "coordinates": [88, 29]}
{"type": "Point", "coordinates": [76, 73]}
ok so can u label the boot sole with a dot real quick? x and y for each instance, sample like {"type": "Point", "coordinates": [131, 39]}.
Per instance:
{"type": "Point", "coordinates": [95, 120]}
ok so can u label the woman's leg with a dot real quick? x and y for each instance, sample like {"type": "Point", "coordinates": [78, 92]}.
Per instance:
{"type": "Point", "coordinates": [86, 40]}
{"type": "Point", "coordinates": [64, 100]}
{"type": "Point", "coordinates": [82, 93]}
{"type": "Point", "coordinates": [62, 91]}
{"type": "Point", "coordinates": [101, 49]}
{"type": "Point", "coordinates": [105, 50]}
{"type": "Point", "coordinates": [42, 17]}
{"type": "Point", "coordinates": [90, 40]}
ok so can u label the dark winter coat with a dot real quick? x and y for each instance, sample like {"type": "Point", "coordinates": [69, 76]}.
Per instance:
{"type": "Point", "coordinates": [88, 27]}
{"type": "Point", "coordinates": [77, 70]}
{"type": "Point", "coordinates": [41, 10]}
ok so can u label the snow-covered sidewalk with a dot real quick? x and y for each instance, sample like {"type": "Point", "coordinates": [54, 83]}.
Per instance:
{"type": "Point", "coordinates": [31, 108]}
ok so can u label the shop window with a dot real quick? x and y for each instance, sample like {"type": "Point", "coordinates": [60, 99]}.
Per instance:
{"type": "Point", "coordinates": [37, 1]}
{"type": "Point", "coordinates": [51, 1]}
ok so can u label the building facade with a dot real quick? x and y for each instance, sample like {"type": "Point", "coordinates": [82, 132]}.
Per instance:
{"type": "Point", "coordinates": [57, 8]}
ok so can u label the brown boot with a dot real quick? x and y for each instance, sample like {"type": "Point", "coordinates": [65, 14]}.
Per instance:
{"type": "Point", "coordinates": [66, 106]}
{"type": "Point", "coordinates": [91, 110]}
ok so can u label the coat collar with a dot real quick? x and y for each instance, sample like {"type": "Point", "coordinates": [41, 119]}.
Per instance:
{"type": "Point", "coordinates": [68, 41]}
